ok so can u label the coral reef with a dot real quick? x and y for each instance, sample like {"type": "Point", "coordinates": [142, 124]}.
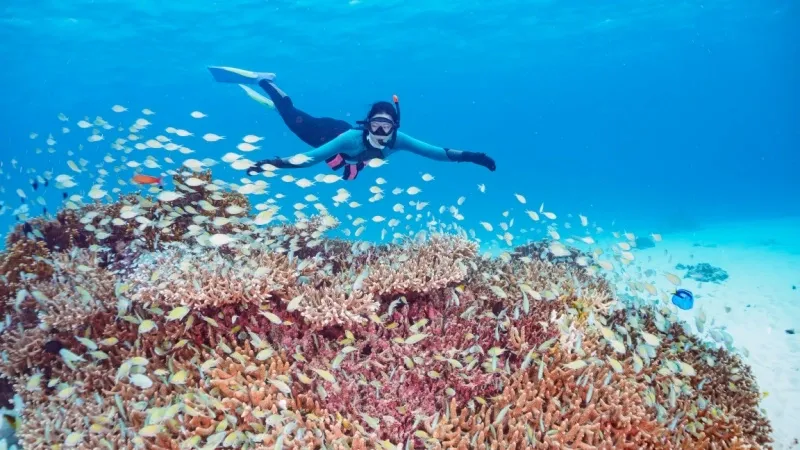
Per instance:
{"type": "Point", "coordinates": [84, 226]}
{"type": "Point", "coordinates": [704, 272]}
{"type": "Point", "coordinates": [25, 261]}
{"type": "Point", "coordinates": [284, 338]}
{"type": "Point", "coordinates": [6, 393]}
{"type": "Point", "coordinates": [541, 250]}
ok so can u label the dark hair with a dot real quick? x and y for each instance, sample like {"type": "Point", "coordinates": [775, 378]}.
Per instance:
{"type": "Point", "coordinates": [382, 107]}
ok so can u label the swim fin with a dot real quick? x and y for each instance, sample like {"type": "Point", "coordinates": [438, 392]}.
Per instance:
{"type": "Point", "coordinates": [257, 97]}
{"type": "Point", "coordinates": [223, 74]}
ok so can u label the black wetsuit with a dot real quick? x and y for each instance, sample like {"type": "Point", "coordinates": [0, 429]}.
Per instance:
{"type": "Point", "coordinates": [314, 131]}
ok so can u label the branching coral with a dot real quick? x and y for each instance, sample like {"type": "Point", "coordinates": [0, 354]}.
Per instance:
{"type": "Point", "coordinates": [332, 303]}
{"type": "Point", "coordinates": [86, 225]}
{"type": "Point", "coordinates": [24, 262]}
{"type": "Point", "coordinates": [60, 234]}
{"type": "Point", "coordinates": [203, 279]}
{"type": "Point", "coordinates": [286, 338]}
{"type": "Point", "coordinates": [421, 267]}
{"type": "Point", "coordinates": [553, 407]}
{"type": "Point", "coordinates": [709, 392]}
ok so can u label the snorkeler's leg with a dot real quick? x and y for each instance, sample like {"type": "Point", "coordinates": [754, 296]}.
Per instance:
{"type": "Point", "coordinates": [314, 131]}
{"type": "Point", "coordinates": [281, 100]}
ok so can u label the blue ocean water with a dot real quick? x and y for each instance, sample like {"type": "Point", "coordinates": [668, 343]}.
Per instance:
{"type": "Point", "coordinates": [651, 114]}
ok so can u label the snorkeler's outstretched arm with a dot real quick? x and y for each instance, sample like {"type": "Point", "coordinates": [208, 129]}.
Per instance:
{"type": "Point", "coordinates": [408, 143]}
{"type": "Point", "coordinates": [344, 143]}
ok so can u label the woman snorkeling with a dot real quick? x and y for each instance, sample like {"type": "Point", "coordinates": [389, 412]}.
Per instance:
{"type": "Point", "coordinates": [337, 142]}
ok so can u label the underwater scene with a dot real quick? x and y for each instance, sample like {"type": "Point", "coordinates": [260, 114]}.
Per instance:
{"type": "Point", "coordinates": [362, 224]}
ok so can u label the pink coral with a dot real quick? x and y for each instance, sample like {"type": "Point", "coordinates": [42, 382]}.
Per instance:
{"type": "Point", "coordinates": [424, 342]}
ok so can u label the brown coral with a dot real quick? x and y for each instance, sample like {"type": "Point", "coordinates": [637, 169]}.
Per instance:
{"type": "Point", "coordinates": [24, 262]}
{"type": "Point", "coordinates": [71, 226]}
{"type": "Point", "coordinates": [356, 344]}
{"type": "Point", "coordinates": [722, 410]}
{"type": "Point", "coordinates": [559, 408]}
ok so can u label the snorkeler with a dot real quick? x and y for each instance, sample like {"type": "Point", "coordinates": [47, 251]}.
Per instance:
{"type": "Point", "coordinates": [337, 142]}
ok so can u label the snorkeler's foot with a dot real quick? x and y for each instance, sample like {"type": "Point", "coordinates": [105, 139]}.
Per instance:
{"type": "Point", "coordinates": [265, 76]}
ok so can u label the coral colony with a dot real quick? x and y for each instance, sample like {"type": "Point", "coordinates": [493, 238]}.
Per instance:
{"type": "Point", "coordinates": [279, 337]}
{"type": "Point", "coordinates": [704, 272]}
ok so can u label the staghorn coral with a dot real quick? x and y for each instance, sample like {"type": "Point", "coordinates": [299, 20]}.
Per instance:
{"type": "Point", "coordinates": [204, 279]}
{"type": "Point", "coordinates": [79, 289]}
{"type": "Point", "coordinates": [80, 225]}
{"type": "Point", "coordinates": [717, 405]}
{"type": "Point", "coordinates": [66, 409]}
{"type": "Point", "coordinates": [78, 296]}
{"type": "Point", "coordinates": [25, 261]}
{"type": "Point", "coordinates": [421, 267]}
{"type": "Point", "coordinates": [335, 298]}
{"type": "Point", "coordinates": [553, 408]}
{"type": "Point", "coordinates": [287, 338]}
{"type": "Point", "coordinates": [402, 380]}
{"type": "Point", "coordinates": [60, 234]}
{"type": "Point", "coordinates": [331, 303]}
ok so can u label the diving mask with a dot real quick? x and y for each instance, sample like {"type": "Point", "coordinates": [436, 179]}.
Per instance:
{"type": "Point", "coordinates": [381, 126]}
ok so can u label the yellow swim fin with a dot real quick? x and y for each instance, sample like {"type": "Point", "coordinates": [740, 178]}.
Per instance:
{"type": "Point", "coordinates": [257, 97]}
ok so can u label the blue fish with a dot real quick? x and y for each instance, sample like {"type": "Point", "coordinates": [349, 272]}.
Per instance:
{"type": "Point", "coordinates": [683, 299]}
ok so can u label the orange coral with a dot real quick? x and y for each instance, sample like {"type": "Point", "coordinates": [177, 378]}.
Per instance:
{"type": "Point", "coordinates": [558, 408]}
{"type": "Point", "coordinates": [719, 405]}
{"type": "Point", "coordinates": [432, 344]}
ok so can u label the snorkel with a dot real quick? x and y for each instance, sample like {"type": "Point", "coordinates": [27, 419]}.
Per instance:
{"type": "Point", "coordinates": [396, 101]}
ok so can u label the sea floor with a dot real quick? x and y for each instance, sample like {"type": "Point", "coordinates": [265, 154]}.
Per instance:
{"type": "Point", "coordinates": [759, 303]}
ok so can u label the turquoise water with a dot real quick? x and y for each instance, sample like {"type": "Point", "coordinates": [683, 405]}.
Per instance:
{"type": "Point", "coordinates": [645, 116]}
{"type": "Point", "coordinates": [654, 115]}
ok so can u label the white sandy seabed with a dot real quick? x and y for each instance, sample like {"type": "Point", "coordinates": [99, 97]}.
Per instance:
{"type": "Point", "coordinates": [762, 260]}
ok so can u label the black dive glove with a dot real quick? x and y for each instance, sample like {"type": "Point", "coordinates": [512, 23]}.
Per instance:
{"type": "Point", "coordinates": [257, 168]}
{"type": "Point", "coordinates": [481, 159]}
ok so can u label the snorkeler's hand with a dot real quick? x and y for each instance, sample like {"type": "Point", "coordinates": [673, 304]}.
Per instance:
{"type": "Point", "coordinates": [481, 159]}
{"type": "Point", "coordinates": [258, 167]}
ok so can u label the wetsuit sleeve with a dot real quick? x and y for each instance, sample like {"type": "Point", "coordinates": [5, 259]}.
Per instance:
{"type": "Point", "coordinates": [409, 144]}
{"type": "Point", "coordinates": [344, 143]}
